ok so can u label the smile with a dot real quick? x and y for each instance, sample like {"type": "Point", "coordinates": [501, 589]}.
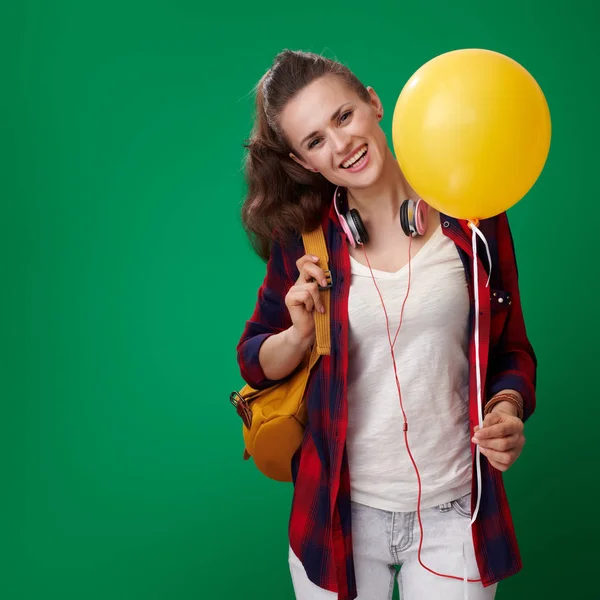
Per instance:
{"type": "Point", "coordinates": [357, 159]}
{"type": "Point", "coordinates": [357, 156]}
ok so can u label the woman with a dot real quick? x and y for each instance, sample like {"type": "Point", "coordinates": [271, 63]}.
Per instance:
{"type": "Point", "coordinates": [354, 516]}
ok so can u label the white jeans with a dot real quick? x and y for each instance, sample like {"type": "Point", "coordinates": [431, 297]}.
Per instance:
{"type": "Point", "coordinates": [381, 540]}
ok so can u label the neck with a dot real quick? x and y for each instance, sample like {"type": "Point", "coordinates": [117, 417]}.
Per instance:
{"type": "Point", "coordinates": [385, 196]}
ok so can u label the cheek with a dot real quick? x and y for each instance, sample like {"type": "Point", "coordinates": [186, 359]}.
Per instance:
{"type": "Point", "coordinates": [367, 127]}
{"type": "Point", "coordinates": [323, 161]}
{"type": "Point", "coordinates": [381, 143]}
{"type": "Point", "coordinates": [366, 124]}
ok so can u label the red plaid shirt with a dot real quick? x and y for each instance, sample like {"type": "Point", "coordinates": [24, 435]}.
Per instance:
{"type": "Point", "coordinates": [319, 527]}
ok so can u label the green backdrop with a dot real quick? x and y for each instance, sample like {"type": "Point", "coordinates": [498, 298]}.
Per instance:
{"type": "Point", "coordinates": [127, 279]}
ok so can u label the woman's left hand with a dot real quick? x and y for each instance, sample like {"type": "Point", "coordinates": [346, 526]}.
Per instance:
{"type": "Point", "coordinates": [501, 438]}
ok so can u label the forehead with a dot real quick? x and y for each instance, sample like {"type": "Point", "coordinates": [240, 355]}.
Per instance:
{"type": "Point", "coordinates": [311, 108]}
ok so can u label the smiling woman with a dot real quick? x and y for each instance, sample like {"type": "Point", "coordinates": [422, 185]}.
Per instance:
{"type": "Point", "coordinates": [320, 98]}
{"type": "Point", "coordinates": [318, 156]}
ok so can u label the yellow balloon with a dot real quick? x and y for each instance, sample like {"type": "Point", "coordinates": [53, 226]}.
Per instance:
{"type": "Point", "coordinates": [471, 132]}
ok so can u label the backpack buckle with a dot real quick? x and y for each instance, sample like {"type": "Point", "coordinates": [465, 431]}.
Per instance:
{"type": "Point", "coordinates": [242, 408]}
{"type": "Point", "coordinates": [329, 278]}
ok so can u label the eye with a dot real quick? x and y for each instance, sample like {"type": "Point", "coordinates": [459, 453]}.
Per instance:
{"type": "Point", "coordinates": [345, 116]}
{"type": "Point", "coordinates": [313, 143]}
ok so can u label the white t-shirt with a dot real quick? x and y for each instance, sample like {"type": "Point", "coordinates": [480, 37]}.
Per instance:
{"type": "Point", "coordinates": [433, 370]}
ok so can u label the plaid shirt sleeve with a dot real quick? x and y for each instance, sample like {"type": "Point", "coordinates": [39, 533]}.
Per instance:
{"type": "Point", "coordinates": [270, 316]}
{"type": "Point", "coordinates": [512, 362]}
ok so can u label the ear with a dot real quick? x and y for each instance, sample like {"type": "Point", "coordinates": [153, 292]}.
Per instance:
{"type": "Point", "coordinates": [302, 163]}
{"type": "Point", "coordinates": [375, 101]}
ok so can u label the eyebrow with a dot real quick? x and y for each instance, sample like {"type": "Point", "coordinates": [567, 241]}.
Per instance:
{"type": "Point", "coordinates": [334, 117]}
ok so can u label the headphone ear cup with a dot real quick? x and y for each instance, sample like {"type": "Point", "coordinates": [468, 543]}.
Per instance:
{"type": "Point", "coordinates": [420, 224]}
{"type": "Point", "coordinates": [358, 227]}
{"type": "Point", "coordinates": [413, 217]}
{"type": "Point", "coordinates": [404, 220]}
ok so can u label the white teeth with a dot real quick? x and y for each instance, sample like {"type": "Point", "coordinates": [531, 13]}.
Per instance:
{"type": "Point", "coordinates": [355, 157]}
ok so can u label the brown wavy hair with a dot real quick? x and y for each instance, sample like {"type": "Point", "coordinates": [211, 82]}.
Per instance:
{"type": "Point", "coordinates": [283, 198]}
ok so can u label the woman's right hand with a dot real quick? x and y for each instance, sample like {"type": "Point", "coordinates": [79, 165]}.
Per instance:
{"type": "Point", "coordinates": [304, 297]}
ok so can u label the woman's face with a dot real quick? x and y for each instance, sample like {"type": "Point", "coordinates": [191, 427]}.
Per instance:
{"type": "Point", "coordinates": [334, 132]}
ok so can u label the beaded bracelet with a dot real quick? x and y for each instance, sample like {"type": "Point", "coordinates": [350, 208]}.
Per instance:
{"type": "Point", "coordinates": [515, 400]}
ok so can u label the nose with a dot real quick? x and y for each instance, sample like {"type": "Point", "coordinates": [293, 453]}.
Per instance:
{"type": "Point", "coordinates": [341, 143]}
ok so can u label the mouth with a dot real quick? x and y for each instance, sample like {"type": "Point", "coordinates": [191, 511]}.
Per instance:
{"type": "Point", "coordinates": [357, 159]}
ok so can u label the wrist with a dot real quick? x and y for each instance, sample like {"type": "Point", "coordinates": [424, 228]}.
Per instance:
{"type": "Point", "coordinates": [302, 343]}
{"type": "Point", "coordinates": [506, 408]}
{"type": "Point", "coordinates": [506, 401]}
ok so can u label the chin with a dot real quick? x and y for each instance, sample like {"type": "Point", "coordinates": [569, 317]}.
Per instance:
{"type": "Point", "coordinates": [364, 180]}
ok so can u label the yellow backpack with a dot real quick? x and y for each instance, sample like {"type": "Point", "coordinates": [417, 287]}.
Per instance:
{"type": "Point", "coordinates": [274, 418]}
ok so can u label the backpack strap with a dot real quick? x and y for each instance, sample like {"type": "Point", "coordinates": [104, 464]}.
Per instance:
{"type": "Point", "coordinates": [314, 243]}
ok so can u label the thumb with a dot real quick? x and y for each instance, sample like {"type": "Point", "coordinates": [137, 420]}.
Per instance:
{"type": "Point", "coordinates": [492, 419]}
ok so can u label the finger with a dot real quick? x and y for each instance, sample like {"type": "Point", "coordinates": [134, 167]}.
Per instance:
{"type": "Point", "coordinates": [489, 420]}
{"type": "Point", "coordinates": [301, 298]}
{"type": "Point", "coordinates": [313, 290]}
{"type": "Point", "coordinates": [499, 430]}
{"type": "Point", "coordinates": [311, 272]}
{"type": "Point", "coordinates": [492, 418]}
{"type": "Point", "coordinates": [501, 458]}
{"type": "Point", "coordinates": [309, 259]}
{"type": "Point", "coordinates": [498, 466]}
{"type": "Point", "coordinates": [501, 444]}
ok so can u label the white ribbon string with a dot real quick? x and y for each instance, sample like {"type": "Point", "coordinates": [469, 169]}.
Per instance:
{"type": "Point", "coordinates": [476, 233]}
{"type": "Point", "coordinates": [487, 249]}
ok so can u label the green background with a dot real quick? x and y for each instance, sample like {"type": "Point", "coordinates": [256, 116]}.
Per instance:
{"type": "Point", "coordinates": [127, 279]}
